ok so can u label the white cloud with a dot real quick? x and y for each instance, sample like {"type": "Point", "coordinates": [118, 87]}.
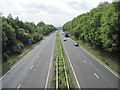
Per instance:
{"type": "Point", "coordinates": [55, 12]}
{"type": "Point", "coordinates": [115, 0]}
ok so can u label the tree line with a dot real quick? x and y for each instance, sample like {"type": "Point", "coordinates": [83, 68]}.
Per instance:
{"type": "Point", "coordinates": [16, 35]}
{"type": "Point", "coordinates": [100, 27]}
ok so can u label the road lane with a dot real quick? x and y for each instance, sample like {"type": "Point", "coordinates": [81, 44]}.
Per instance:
{"type": "Point", "coordinates": [38, 76]}
{"type": "Point", "coordinates": [90, 73]}
{"type": "Point", "coordinates": [106, 75]}
{"type": "Point", "coordinates": [17, 74]}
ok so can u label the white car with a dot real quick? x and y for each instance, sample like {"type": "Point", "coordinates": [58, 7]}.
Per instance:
{"type": "Point", "coordinates": [63, 33]}
{"type": "Point", "coordinates": [76, 44]}
{"type": "Point", "coordinates": [64, 39]}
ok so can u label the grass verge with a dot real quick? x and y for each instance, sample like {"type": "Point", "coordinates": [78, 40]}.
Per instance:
{"type": "Point", "coordinates": [15, 58]}
{"type": "Point", "coordinates": [110, 59]}
{"type": "Point", "coordinates": [61, 73]}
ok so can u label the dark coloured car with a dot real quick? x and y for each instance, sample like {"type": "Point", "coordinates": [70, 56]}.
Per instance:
{"type": "Point", "coordinates": [64, 39]}
{"type": "Point", "coordinates": [76, 44]}
{"type": "Point", "coordinates": [66, 34]}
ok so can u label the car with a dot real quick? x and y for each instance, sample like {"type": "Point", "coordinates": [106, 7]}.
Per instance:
{"type": "Point", "coordinates": [76, 44]}
{"type": "Point", "coordinates": [63, 33]}
{"type": "Point", "coordinates": [64, 39]}
{"type": "Point", "coordinates": [66, 34]}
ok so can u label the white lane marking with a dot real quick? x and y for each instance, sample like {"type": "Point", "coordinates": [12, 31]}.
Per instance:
{"type": "Point", "coordinates": [84, 61]}
{"type": "Point", "coordinates": [15, 65]}
{"type": "Point", "coordinates": [72, 69]}
{"type": "Point", "coordinates": [96, 75]}
{"type": "Point", "coordinates": [99, 61]}
{"type": "Point", "coordinates": [64, 66]}
{"type": "Point", "coordinates": [38, 56]}
{"type": "Point", "coordinates": [26, 75]}
{"type": "Point", "coordinates": [18, 87]}
{"type": "Point", "coordinates": [18, 62]}
{"type": "Point", "coordinates": [57, 72]}
{"type": "Point", "coordinates": [32, 67]}
{"type": "Point", "coordinates": [50, 66]}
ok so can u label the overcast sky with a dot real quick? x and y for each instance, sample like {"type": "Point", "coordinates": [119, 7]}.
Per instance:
{"type": "Point", "coordinates": [55, 12]}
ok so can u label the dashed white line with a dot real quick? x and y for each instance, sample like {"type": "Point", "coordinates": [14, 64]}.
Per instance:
{"type": "Point", "coordinates": [38, 56]}
{"type": "Point", "coordinates": [32, 67]}
{"type": "Point", "coordinates": [99, 61]}
{"type": "Point", "coordinates": [15, 65]}
{"type": "Point", "coordinates": [96, 75]}
{"type": "Point", "coordinates": [18, 87]}
{"type": "Point", "coordinates": [84, 61]}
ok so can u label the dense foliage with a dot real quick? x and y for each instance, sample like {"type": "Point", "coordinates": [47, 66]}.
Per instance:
{"type": "Point", "coordinates": [100, 27]}
{"type": "Point", "coordinates": [16, 35]}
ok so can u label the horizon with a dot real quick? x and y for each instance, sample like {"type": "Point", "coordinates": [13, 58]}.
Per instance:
{"type": "Point", "coordinates": [49, 13]}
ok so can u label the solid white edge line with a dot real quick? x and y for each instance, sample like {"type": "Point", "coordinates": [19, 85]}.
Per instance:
{"type": "Point", "coordinates": [57, 72]}
{"type": "Point", "coordinates": [13, 67]}
{"type": "Point", "coordinates": [98, 61]}
{"type": "Point", "coordinates": [72, 68]}
{"type": "Point", "coordinates": [50, 65]}
{"type": "Point", "coordinates": [64, 64]}
{"type": "Point", "coordinates": [96, 75]}
{"type": "Point", "coordinates": [16, 64]}
{"type": "Point", "coordinates": [66, 74]}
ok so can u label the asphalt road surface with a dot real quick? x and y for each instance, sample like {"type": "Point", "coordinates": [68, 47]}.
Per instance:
{"type": "Point", "coordinates": [88, 71]}
{"type": "Point", "coordinates": [32, 71]}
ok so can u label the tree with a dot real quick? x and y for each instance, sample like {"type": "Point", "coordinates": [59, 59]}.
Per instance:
{"type": "Point", "coordinates": [100, 26]}
{"type": "Point", "coordinates": [16, 35]}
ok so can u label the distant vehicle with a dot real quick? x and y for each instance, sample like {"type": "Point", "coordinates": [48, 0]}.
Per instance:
{"type": "Point", "coordinates": [63, 33]}
{"type": "Point", "coordinates": [76, 44]}
{"type": "Point", "coordinates": [64, 39]}
{"type": "Point", "coordinates": [66, 34]}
